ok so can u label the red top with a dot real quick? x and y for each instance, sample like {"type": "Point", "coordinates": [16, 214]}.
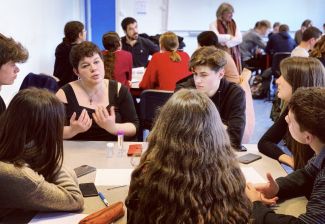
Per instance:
{"type": "Point", "coordinates": [122, 66]}
{"type": "Point", "coordinates": [162, 73]}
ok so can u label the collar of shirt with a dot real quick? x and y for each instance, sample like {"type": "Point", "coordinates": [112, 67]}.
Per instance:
{"type": "Point", "coordinates": [320, 159]}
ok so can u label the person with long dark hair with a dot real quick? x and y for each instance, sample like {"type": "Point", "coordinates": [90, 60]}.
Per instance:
{"type": "Point", "coordinates": [74, 33]}
{"type": "Point", "coordinates": [189, 174]}
{"type": "Point", "coordinates": [295, 72]}
{"type": "Point", "coordinates": [31, 154]}
{"type": "Point", "coordinates": [118, 63]}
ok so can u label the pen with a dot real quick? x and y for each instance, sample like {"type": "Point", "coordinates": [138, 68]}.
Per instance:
{"type": "Point", "coordinates": [111, 188]}
{"type": "Point", "coordinates": [102, 197]}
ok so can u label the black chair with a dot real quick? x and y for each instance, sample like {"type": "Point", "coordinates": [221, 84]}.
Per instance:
{"type": "Point", "coordinates": [150, 101]}
{"type": "Point", "coordinates": [276, 60]}
{"type": "Point", "coordinates": [40, 81]}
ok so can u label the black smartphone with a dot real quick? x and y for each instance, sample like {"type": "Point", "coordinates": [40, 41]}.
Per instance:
{"type": "Point", "coordinates": [88, 189]}
{"type": "Point", "coordinates": [248, 158]}
{"type": "Point", "coordinates": [83, 170]}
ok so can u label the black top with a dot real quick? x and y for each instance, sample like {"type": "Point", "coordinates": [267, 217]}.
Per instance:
{"type": "Point", "coordinates": [124, 111]}
{"type": "Point", "coordinates": [140, 51]}
{"type": "Point", "coordinates": [62, 66]}
{"type": "Point", "coordinates": [309, 182]}
{"type": "Point", "coordinates": [2, 105]}
{"type": "Point", "coordinates": [231, 104]}
{"type": "Point", "coordinates": [268, 144]}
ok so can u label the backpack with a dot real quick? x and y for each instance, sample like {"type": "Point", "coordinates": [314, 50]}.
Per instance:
{"type": "Point", "coordinates": [256, 86]}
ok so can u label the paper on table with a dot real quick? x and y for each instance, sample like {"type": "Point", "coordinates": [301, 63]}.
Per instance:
{"type": "Point", "coordinates": [252, 176]}
{"type": "Point", "coordinates": [57, 217]}
{"type": "Point", "coordinates": [108, 177]}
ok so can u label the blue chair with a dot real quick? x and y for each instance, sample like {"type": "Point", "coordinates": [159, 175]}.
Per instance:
{"type": "Point", "coordinates": [40, 81]}
{"type": "Point", "coordinates": [150, 101]}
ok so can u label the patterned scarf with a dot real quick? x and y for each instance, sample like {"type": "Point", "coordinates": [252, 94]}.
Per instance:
{"type": "Point", "coordinates": [230, 28]}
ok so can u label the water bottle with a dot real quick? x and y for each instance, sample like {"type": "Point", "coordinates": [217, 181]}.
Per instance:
{"type": "Point", "coordinates": [110, 148]}
{"type": "Point", "coordinates": [120, 142]}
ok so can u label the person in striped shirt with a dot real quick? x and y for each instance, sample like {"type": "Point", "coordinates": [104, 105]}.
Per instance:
{"type": "Point", "coordinates": [306, 122]}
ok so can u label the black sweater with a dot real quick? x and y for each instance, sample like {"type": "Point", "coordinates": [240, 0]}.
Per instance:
{"type": "Point", "coordinates": [268, 144]}
{"type": "Point", "coordinates": [231, 104]}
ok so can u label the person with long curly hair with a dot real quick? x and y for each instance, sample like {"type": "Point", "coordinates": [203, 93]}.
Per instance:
{"type": "Point", "coordinates": [319, 50]}
{"type": "Point", "coordinates": [118, 63]}
{"type": "Point", "coordinates": [189, 174]}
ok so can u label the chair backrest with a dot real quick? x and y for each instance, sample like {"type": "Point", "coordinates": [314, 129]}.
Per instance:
{"type": "Point", "coordinates": [277, 58]}
{"type": "Point", "coordinates": [150, 101]}
{"type": "Point", "coordinates": [40, 81]}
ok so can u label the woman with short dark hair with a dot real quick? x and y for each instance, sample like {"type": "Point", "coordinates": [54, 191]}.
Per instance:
{"type": "Point", "coordinates": [97, 108]}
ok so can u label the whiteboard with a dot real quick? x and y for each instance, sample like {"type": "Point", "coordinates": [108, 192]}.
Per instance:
{"type": "Point", "coordinates": [196, 15]}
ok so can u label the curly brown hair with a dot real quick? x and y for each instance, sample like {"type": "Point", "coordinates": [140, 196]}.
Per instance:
{"type": "Point", "coordinates": [189, 174]}
{"type": "Point", "coordinates": [319, 49]}
{"type": "Point", "coordinates": [11, 51]}
{"type": "Point", "coordinates": [111, 42]}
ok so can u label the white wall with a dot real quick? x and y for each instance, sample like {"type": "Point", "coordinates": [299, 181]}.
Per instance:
{"type": "Point", "coordinates": [152, 22]}
{"type": "Point", "coordinates": [197, 15]}
{"type": "Point", "coordinates": [182, 16]}
{"type": "Point", "coordinates": [38, 25]}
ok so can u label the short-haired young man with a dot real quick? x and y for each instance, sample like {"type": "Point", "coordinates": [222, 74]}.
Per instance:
{"type": "Point", "coordinates": [74, 33]}
{"type": "Point", "coordinates": [309, 39]}
{"type": "Point", "coordinates": [11, 52]}
{"type": "Point", "coordinates": [138, 46]}
{"type": "Point", "coordinates": [306, 122]}
{"type": "Point", "coordinates": [304, 25]}
{"type": "Point", "coordinates": [207, 65]}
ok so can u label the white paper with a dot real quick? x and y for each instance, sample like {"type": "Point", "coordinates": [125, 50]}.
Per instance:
{"type": "Point", "coordinates": [57, 217]}
{"type": "Point", "coordinates": [252, 176]}
{"type": "Point", "coordinates": [108, 177]}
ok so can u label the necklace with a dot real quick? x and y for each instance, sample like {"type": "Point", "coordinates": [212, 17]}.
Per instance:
{"type": "Point", "coordinates": [91, 96]}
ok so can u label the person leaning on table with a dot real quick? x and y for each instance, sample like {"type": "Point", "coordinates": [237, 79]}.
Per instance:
{"type": "Point", "coordinates": [31, 153]}
{"type": "Point", "coordinates": [295, 72]}
{"type": "Point", "coordinates": [306, 122]}
{"type": "Point", "coordinates": [189, 174]}
{"type": "Point", "coordinates": [96, 108]}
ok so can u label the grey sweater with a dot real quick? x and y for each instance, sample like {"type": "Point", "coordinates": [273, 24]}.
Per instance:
{"type": "Point", "coordinates": [23, 188]}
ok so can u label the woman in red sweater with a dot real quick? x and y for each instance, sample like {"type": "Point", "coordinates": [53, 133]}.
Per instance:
{"type": "Point", "coordinates": [118, 63]}
{"type": "Point", "coordinates": [167, 66]}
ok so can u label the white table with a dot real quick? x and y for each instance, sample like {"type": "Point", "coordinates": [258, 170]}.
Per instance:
{"type": "Point", "coordinates": [94, 153]}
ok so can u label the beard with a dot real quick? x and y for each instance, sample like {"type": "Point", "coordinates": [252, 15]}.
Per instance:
{"type": "Point", "coordinates": [133, 37]}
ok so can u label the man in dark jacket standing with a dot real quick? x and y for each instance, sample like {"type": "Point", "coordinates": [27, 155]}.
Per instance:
{"type": "Point", "coordinates": [207, 64]}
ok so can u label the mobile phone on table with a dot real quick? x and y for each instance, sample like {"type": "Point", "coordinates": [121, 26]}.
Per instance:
{"type": "Point", "coordinates": [83, 170]}
{"type": "Point", "coordinates": [248, 158]}
{"type": "Point", "coordinates": [88, 189]}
